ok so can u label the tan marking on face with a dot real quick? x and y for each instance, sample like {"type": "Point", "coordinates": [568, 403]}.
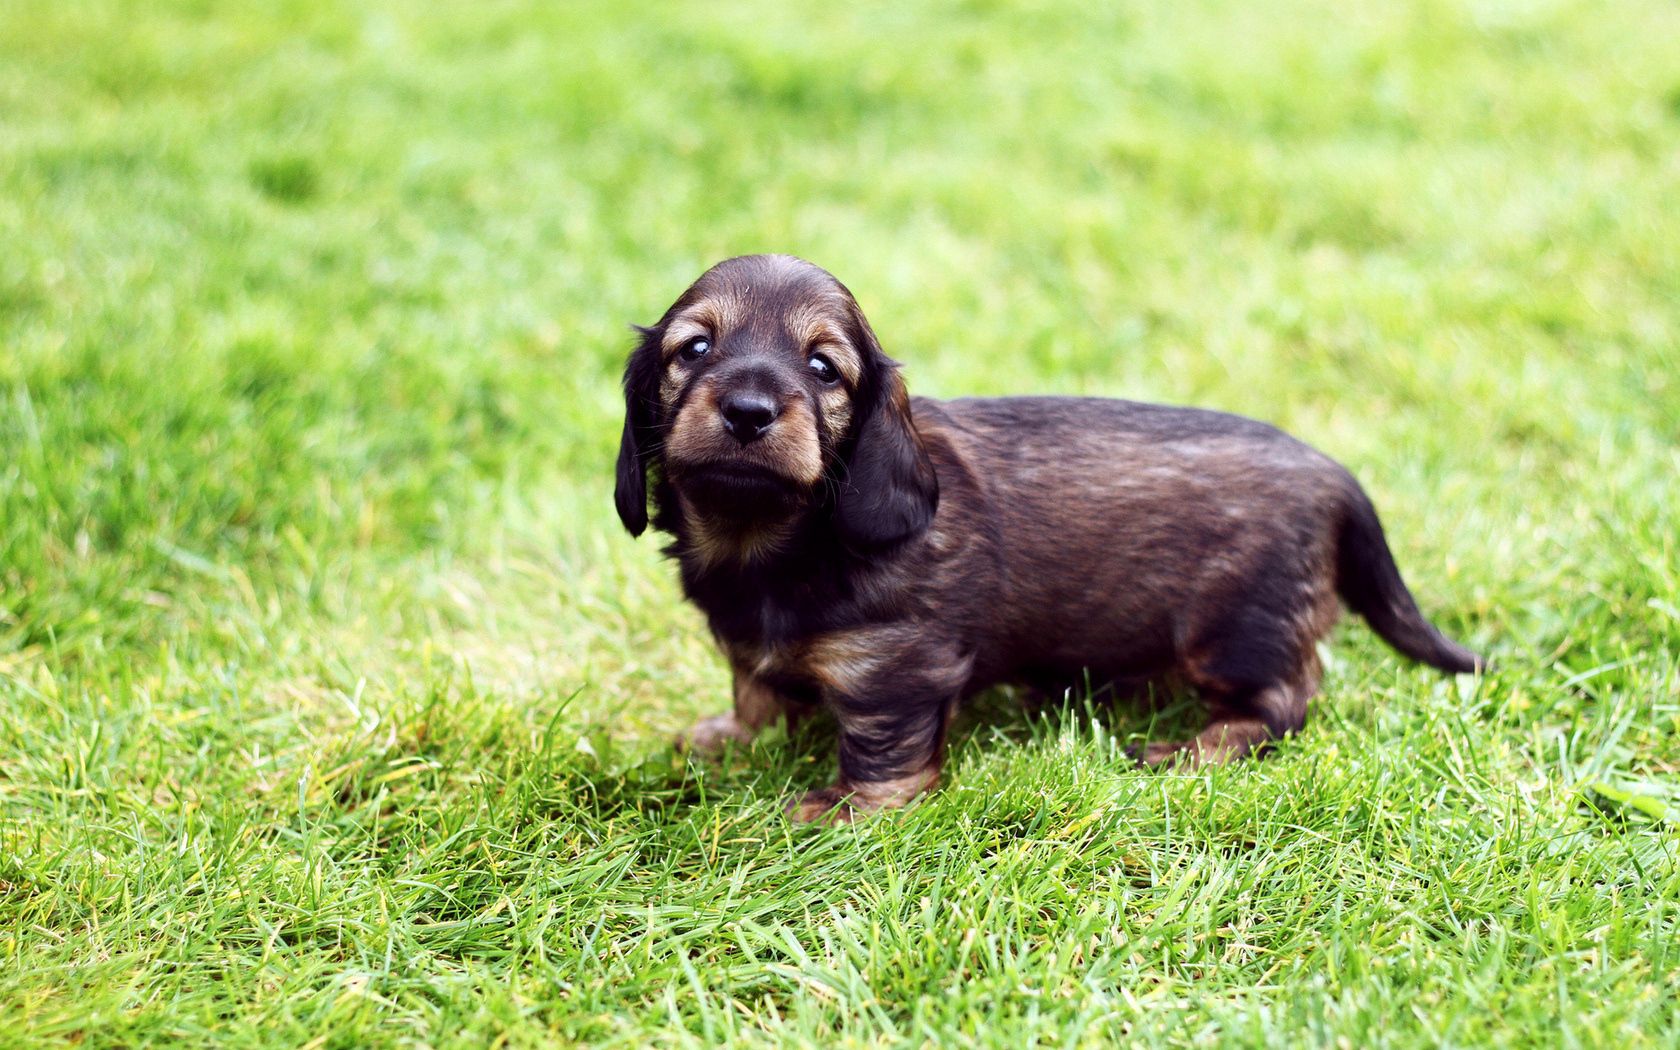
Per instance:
{"type": "Point", "coordinates": [696, 430]}
{"type": "Point", "coordinates": [711, 315]}
{"type": "Point", "coordinates": [793, 439]}
{"type": "Point", "coordinates": [670, 384]}
{"type": "Point", "coordinates": [836, 404]}
{"type": "Point", "coordinates": [814, 325]}
{"type": "Point", "coordinates": [790, 448]}
{"type": "Point", "coordinates": [707, 317]}
{"type": "Point", "coordinates": [819, 326]}
{"type": "Point", "coordinates": [846, 360]}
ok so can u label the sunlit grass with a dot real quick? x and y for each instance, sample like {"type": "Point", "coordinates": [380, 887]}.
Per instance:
{"type": "Point", "coordinates": [334, 703]}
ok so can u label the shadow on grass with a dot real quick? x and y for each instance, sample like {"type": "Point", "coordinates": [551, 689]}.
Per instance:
{"type": "Point", "coordinates": [667, 786]}
{"type": "Point", "coordinates": [1027, 716]}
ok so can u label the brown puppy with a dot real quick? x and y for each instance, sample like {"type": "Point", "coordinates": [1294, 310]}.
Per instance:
{"type": "Point", "coordinates": [886, 557]}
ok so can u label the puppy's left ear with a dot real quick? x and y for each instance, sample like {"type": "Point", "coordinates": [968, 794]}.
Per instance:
{"type": "Point", "coordinates": [641, 393]}
{"type": "Point", "coordinates": [890, 489]}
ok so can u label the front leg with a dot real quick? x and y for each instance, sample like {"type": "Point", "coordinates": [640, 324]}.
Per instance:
{"type": "Point", "coordinates": [893, 710]}
{"type": "Point", "coordinates": [756, 706]}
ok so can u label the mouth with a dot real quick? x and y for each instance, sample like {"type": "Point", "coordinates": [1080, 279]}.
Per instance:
{"type": "Point", "coordinates": [736, 489]}
{"type": "Point", "coordinates": [746, 476]}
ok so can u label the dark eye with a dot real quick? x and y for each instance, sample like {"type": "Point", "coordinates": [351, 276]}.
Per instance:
{"type": "Point", "coordinates": [822, 369]}
{"type": "Point", "coordinates": [695, 348]}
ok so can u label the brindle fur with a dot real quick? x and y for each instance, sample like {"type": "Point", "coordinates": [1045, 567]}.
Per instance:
{"type": "Point", "coordinates": [888, 556]}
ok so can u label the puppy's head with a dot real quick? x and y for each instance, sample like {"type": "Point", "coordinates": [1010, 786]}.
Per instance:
{"type": "Point", "coordinates": [762, 395]}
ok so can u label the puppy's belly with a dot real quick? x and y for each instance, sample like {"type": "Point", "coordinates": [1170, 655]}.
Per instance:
{"type": "Point", "coordinates": [1073, 646]}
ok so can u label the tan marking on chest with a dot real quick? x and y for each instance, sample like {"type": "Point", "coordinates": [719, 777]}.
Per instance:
{"type": "Point", "coordinates": [714, 544]}
{"type": "Point", "coordinates": [846, 662]}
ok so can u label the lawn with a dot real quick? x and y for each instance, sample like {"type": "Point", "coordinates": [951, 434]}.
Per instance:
{"type": "Point", "coordinates": [335, 705]}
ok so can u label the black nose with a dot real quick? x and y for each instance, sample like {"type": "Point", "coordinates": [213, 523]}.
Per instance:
{"type": "Point", "coordinates": [748, 414]}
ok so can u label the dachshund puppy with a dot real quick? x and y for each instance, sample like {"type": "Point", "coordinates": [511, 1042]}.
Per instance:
{"type": "Point", "coordinates": [885, 557]}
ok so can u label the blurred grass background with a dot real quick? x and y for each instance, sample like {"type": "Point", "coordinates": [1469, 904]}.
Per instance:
{"type": "Point", "coordinates": [333, 700]}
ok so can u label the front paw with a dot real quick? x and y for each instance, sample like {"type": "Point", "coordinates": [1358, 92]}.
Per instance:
{"type": "Point", "coordinates": [709, 735]}
{"type": "Point", "coordinates": [825, 806]}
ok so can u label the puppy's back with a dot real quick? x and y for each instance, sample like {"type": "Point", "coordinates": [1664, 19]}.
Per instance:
{"type": "Point", "coordinates": [1072, 422]}
{"type": "Point", "coordinates": [1116, 453]}
{"type": "Point", "coordinates": [1124, 520]}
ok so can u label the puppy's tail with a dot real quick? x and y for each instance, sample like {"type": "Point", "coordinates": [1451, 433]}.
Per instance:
{"type": "Point", "coordinates": [1370, 583]}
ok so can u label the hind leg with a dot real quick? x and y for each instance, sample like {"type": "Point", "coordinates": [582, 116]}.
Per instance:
{"type": "Point", "coordinates": [1256, 671]}
{"type": "Point", "coordinates": [1244, 720]}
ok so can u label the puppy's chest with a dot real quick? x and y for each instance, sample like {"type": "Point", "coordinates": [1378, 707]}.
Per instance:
{"type": "Point", "coordinates": [843, 663]}
{"type": "Point", "coordinates": [804, 653]}
{"type": "Point", "coordinates": [751, 619]}
{"type": "Point", "coordinates": [784, 668]}
{"type": "Point", "coordinates": [773, 607]}
{"type": "Point", "coordinates": [809, 628]}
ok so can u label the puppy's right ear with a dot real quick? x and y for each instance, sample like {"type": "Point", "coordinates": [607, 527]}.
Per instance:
{"type": "Point", "coordinates": [640, 440]}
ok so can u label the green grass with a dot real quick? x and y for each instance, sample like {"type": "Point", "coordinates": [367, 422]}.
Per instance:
{"type": "Point", "coordinates": [334, 704]}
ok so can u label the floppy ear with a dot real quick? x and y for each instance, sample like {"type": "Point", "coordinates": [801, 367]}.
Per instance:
{"type": "Point", "coordinates": [890, 489]}
{"type": "Point", "coordinates": [641, 393]}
